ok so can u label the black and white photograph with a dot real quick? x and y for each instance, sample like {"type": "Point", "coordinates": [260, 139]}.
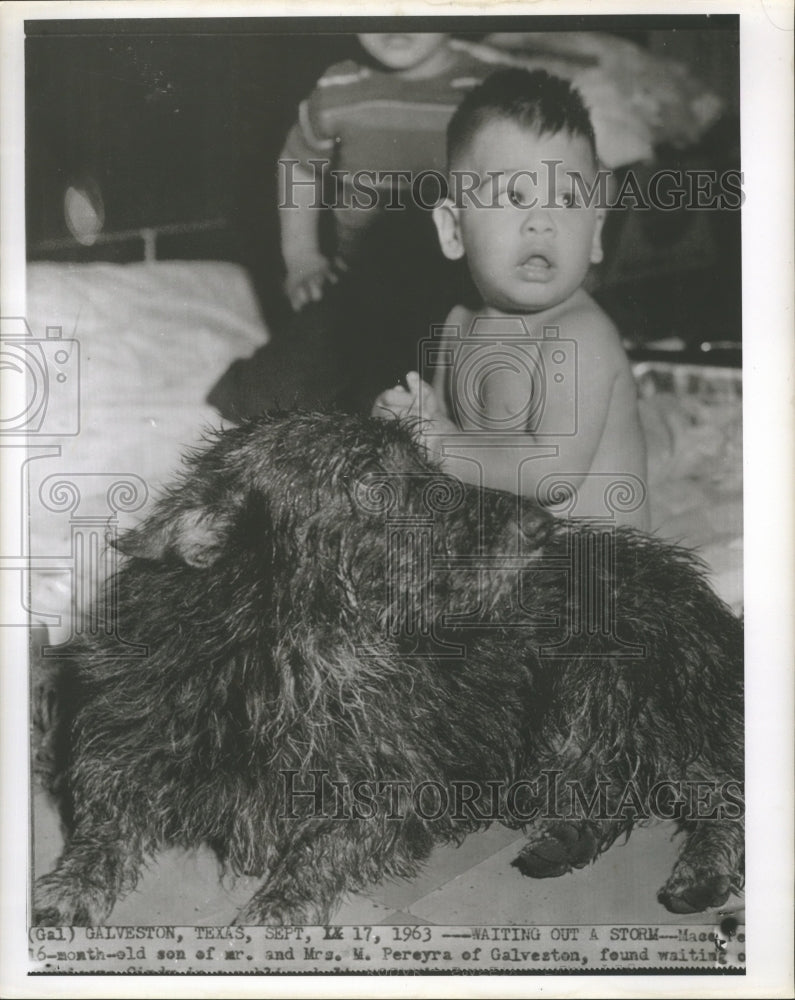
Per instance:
{"type": "Point", "coordinates": [376, 407]}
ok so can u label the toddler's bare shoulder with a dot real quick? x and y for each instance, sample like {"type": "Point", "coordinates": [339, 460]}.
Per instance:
{"type": "Point", "coordinates": [593, 330]}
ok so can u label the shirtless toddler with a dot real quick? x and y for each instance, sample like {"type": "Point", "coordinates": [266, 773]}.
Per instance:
{"type": "Point", "coordinates": [532, 391]}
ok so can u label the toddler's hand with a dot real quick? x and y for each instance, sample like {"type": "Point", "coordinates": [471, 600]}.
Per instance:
{"type": "Point", "coordinates": [424, 401]}
{"type": "Point", "coordinates": [418, 400]}
{"type": "Point", "coordinates": [392, 404]}
{"type": "Point", "coordinates": [306, 282]}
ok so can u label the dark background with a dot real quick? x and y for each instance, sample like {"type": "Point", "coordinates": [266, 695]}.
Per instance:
{"type": "Point", "coordinates": [182, 122]}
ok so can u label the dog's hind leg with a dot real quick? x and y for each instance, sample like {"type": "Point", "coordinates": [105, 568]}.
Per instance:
{"type": "Point", "coordinates": [580, 818]}
{"type": "Point", "coordinates": [92, 873]}
{"type": "Point", "coordinates": [557, 848]}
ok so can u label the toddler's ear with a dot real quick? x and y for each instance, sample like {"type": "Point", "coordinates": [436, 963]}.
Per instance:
{"type": "Point", "coordinates": [445, 215]}
{"type": "Point", "coordinates": [597, 254]}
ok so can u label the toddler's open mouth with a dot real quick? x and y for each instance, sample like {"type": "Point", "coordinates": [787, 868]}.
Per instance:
{"type": "Point", "coordinates": [536, 267]}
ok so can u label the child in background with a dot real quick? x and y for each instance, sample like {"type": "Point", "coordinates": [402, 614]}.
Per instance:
{"type": "Point", "coordinates": [386, 119]}
{"type": "Point", "coordinates": [389, 118]}
{"type": "Point", "coordinates": [535, 382]}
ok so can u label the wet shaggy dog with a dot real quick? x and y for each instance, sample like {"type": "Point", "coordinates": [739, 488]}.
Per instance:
{"type": "Point", "coordinates": [321, 604]}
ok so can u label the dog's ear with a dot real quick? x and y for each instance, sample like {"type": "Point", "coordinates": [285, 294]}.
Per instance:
{"type": "Point", "coordinates": [195, 536]}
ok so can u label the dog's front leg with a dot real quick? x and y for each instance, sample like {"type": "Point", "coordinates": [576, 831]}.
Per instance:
{"type": "Point", "coordinates": [303, 886]}
{"type": "Point", "coordinates": [92, 873]}
{"type": "Point", "coordinates": [316, 867]}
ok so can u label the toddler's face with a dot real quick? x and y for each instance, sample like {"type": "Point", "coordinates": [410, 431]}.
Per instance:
{"type": "Point", "coordinates": [529, 245]}
{"type": "Point", "coordinates": [402, 52]}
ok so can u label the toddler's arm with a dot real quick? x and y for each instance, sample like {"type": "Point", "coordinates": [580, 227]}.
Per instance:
{"type": "Point", "coordinates": [311, 143]}
{"type": "Point", "coordinates": [308, 270]}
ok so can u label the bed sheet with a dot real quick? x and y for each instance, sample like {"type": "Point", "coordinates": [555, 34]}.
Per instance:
{"type": "Point", "coordinates": [692, 422]}
{"type": "Point", "coordinates": [151, 338]}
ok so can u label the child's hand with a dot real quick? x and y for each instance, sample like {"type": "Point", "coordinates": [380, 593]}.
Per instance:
{"type": "Point", "coordinates": [306, 282]}
{"type": "Point", "coordinates": [392, 404]}
{"type": "Point", "coordinates": [424, 402]}
{"type": "Point", "coordinates": [418, 400]}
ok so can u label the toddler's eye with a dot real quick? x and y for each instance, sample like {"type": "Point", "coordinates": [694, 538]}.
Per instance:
{"type": "Point", "coordinates": [567, 199]}
{"type": "Point", "coordinates": [516, 198]}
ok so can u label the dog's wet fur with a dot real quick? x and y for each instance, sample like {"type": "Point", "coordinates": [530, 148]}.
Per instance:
{"type": "Point", "coordinates": [278, 644]}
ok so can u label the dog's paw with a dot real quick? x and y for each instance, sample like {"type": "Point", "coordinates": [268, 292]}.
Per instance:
{"type": "Point", "coordinates": [561, 847]}
{"type": "Point", "coordinates": [55, 916]}
{"type": "Point", "coordinates": [48, 916]}
{"type": "Point", "coordinates": [56, 904]}
{"type": "Point", "coordinates": [696, 893]}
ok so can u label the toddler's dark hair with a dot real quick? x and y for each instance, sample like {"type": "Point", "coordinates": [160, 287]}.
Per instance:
{"type": "Point", "coordinates": [532, 99]}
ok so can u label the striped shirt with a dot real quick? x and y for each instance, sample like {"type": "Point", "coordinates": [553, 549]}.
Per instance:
{"type": "Point", "coordinates": [366, 119]}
